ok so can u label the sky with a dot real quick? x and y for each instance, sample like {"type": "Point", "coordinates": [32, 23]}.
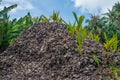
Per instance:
{"type": "Point", "coordinates": [65, 7]}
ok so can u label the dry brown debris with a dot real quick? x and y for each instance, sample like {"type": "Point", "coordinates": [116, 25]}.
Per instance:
{"type": "Point", "coordinates": [46, 51]}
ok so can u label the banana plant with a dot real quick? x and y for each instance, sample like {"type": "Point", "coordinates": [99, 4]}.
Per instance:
{"type": "Point", "coordinates": [19, 26]}
{"type": "Point", "coordinates": [10, 29]}
{"type": "Point", "coordinates": [7, 9]}
{"type": "Point", "coordinates": [4, 26]}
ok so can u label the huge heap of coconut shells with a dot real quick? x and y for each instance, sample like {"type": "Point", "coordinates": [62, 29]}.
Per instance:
{"type": "Point", "coordinates": [47, 51]}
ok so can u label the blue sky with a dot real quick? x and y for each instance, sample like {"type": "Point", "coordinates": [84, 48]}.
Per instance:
{"type": "Point", "coordinates": [65, 7]}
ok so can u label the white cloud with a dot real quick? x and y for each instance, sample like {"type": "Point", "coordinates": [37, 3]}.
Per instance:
{"type": "Point", "coordinates": [94, 5]}
{"type": "Point", "coordinates": [22, 4]}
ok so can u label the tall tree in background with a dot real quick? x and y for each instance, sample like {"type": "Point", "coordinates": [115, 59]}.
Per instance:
{"type": "Point", "coordinates": [108, 23]}
{"type": "Point", "coordinates": [116, 9]}
{"type": "Point", "coordinates": [96, 25]}
{"type": "Point", "coordinates": [113, 20]}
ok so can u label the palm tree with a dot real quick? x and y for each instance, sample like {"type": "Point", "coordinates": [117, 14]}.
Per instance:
{"type": "Point", "coordinates": [108, 23]}
{"type": "Point", "coordinates": [113, 17]}
{"type": "Point", "coordinates": [97, 26]}
{"type": "Point", "coordinates": [110, 15]}
{"type": "Point", "coordinates": [116, 9]}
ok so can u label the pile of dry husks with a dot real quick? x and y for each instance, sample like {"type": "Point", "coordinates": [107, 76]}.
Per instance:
{"type": "Point", "coordinates": [46, 51]}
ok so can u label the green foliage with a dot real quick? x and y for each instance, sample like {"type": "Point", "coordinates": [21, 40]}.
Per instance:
{"type": "Point", "coordinates": [79, 46]}
{"type": "Point", "coordinates": [71, 28]}
{"type": "Point", "coordinates": [6, 10]}
{"type": "Point", "coordinates": [81, 36]}
{"type": "Point", "coordinates": [55, 17]}
{"type": "Point", "coordinates": [43, 19]}
{"type": "Point", "coordinates": [111, 43]}
{"type": "Point", "coordinates": [79, 20]}
{"type": "Point", "coordinates": [97, 39]}
{"type": "Point", "coordinates": [96, 59]}
{"type": "Point", "coordinates": [94, 37]}
{"type": "Point", "coordinates": [16, 27]}
{"type": "Point", "coordinates": [108, 22]}
{"type": "Point", "coordinates": [81, 33]}
{"type": "Point", "coordinates": [118, 78]}
{"type": "Point", "coordinates": [4, 27]}
{"type": "Point", "coordinates": [77, 28]}
{"type": "Point", "coordinates": [35, 20]}
{"type": "Point", "coordinates": [113, 73]}
{"type": "Point", "coordinates": [105, 29]}
{"type": "Point", "coordinates": [9, 30]}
